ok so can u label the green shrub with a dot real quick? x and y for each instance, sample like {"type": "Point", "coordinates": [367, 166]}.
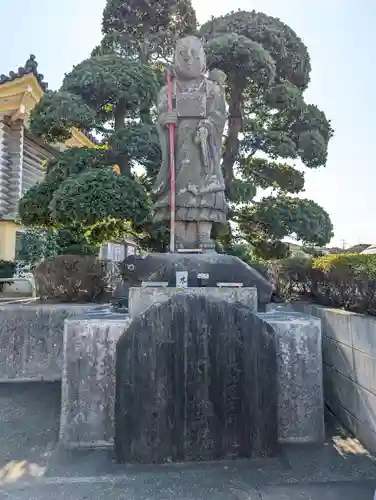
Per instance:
{"type": "Point", "coordinates": [7, 270]}
{"type": "Point", "coordinates": [339, 280]}
{"type": "Point", "coordinates": [291, 276]}
{"type": "Point", "coordinates": [71, 278]}
{"type": "Point", "coordinates": [353, 264]}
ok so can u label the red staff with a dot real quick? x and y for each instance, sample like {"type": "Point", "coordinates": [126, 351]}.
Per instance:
{"type": "Point", "coordinates": [172, 165]}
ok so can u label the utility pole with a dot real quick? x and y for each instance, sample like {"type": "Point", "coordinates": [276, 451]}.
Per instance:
{"type": "Point", "coordinates": [343, 243]}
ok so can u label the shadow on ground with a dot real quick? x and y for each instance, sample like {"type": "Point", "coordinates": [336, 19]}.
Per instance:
{"type": "Point", "coordinates": [32, 466]}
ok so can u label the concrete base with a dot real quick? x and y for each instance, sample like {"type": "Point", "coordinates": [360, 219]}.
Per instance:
{"type": "Point", "coordinates": [88, 386]}
{"type": "Point", "coordinates": [31, 340]}
{"type": "Point", "coordinates": [300, 376]}
{"type": "Point", "coordinates": [141, 298]}
{"type": "Point", "coordinates": [88, 383]}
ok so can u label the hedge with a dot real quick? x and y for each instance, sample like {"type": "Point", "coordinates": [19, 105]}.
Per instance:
{"type": "Point", "coordinates": [72, 278]}
{"type": "Point", "coordinates": [340, 280]}
{"type": "Point", "coordinates": [7, 270]}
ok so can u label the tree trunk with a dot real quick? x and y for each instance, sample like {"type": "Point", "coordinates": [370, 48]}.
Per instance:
{"type": "Point", "coordinates": [144, 49]}
{"type": "Point", "coordinates": [119, 115]}
{"type": "Point", "coordinates": [235, 123]}
{"type": "Point", "coordinates": [144, 59]}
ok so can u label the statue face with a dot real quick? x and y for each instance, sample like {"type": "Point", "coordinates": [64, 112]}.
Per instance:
{"type": "Point", "coordinates": [189, 57]}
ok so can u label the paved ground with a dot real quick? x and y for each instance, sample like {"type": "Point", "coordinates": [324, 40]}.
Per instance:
{"type": "Point", "coordinates": [33, 467]}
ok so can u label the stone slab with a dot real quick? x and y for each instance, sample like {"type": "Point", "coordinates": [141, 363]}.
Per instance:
{"type": "Point", "coordinates": [88, 384]}
{"type": "Point", "coordinates": [195, 380]}
{"type": "Point", "coordinates": [300, 378]}
{"type": "Point", "coordinates": [31, 340]}
{"type": "Point", "coordinates": [141, 298]}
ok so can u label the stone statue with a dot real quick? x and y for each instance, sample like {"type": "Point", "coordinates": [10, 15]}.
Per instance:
{"type": "Point", "coordinates": [199, 115]}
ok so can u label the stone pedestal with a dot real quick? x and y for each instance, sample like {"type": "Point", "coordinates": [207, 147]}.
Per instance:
{"type": "Point", "coordinates": [217, 268]}
{"type": "Point", "coordinates": [299, 377]}
{"type": "Point", "coordinates": [88, 382]}
{"type": "Point", "coordinates": [140, 298]}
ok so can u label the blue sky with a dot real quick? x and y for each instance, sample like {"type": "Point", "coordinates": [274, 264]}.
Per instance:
{"type": "Point", "coordinates": [340, 40]}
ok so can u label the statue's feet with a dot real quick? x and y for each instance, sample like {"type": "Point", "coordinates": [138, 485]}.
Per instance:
{"type": "Point", "coordinates": [207, 246]}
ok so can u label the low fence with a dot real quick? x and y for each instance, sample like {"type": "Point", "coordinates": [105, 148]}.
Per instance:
{"type": "Point", "coordinates": [349, 356]}
{"type": "Point", "coordinates": [31, 340]}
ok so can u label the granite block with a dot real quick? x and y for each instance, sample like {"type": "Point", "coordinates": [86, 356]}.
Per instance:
{"type": "Point", "coordinates": [88, 384]}
{"type": "Point", "coordinates": [140, 298]}
{"type": "Point", "coordinates": [299, 376]}
{"type": "Point", "coordinates": [31, 340]}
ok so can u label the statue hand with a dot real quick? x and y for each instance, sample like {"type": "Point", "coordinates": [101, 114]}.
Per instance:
{"type": "Point", "coordinates": [203, 123]}
{"type": "Point", "coordinates": [168, 118]}
{"type": "Point", "coordinates": [202, 133]}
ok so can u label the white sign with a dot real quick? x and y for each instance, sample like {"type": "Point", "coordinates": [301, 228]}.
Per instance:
{"type": "Point", "coordinates": [229, 285]}
{"type": "Point", "coordinates": [203, 276]}
{"type": "Point", "coordinates": [181, 279]}
{"type": "Point", "coordinates": [151, 284]}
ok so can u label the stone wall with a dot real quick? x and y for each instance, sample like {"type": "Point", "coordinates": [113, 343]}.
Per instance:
{"type": "Point", "coordinates": [88, 384]}
{"type": "Point", "coordinates": [31, 340]}
{"type": "Point", "coordinates": [349, 355]}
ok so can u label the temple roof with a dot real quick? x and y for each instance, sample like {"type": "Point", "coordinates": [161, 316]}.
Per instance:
{"type": "Point", "coordinates": [30, 67]}
{"type": "Point", "coordinates": [20, 92]}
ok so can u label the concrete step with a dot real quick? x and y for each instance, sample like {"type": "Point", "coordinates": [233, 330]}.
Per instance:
{"type": "Point", "coordinates": [108, 488]}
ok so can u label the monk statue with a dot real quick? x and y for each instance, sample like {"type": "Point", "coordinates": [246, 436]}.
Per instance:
{"type": "Point", "coordinates": [199, 116]}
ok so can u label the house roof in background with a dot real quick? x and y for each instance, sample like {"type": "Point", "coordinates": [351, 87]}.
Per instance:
{"type": "Point", "coordinates": [358, 248]}
{"type": "Point", "coordinates": [370, 249]}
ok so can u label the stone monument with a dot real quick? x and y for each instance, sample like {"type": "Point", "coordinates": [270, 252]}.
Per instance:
{"type": "Point", "coordinates": [196, 379]}
{"type": "Point", "coordinates": [199, 116]}
{"type": "Point", "coordinates": [201, 374]}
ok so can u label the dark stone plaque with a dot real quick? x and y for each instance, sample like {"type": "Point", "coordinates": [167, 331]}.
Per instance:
{"type": "Point", "coordinates": [195, 380]}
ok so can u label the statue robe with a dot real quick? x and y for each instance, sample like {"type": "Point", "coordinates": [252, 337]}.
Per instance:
{"type": "Point", "coordinates": [200, 189]}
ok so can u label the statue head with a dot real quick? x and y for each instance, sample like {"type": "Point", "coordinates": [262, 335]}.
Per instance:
{"type": "Point", "coordinates": [190, 59]}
